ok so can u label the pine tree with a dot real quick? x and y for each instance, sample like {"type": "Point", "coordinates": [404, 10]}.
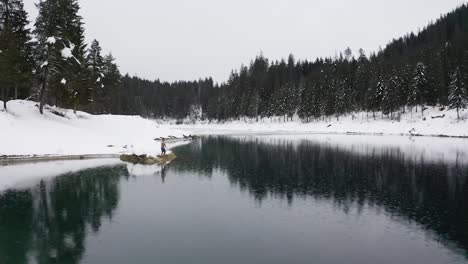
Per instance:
{"type": "Point", "coordinates": [112, 85]}
{"type": "Point", "coordinates": [348, 54]}
{"type": "Point", "coordinates": [418, 87]}
{"type": "Point", "coordinates": [61, 53]}
{"type": "Point", "coordinates": [361, 81]}
{"type": "Point", "coordinates": [15, 49]}
{"type": "Point", "coordinates": [341, 98]}
{"type": "Point", "coordinates": [375, 93]}
{"type": "Point", "coordinates": [390, 98]}
{"type": "Point", "coordinates": [96, 67]}
{"type": "Point", "coordinates": [458, 95]}
{"type": "Point", "coordinates": [304, 110]}
{"type": "Point", "coordinates": [291, 98]}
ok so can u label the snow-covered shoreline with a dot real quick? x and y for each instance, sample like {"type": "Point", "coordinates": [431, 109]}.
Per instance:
{"type": "Point", "coordinates": [437, 123]}
{"type": "Point", "coordinates": [25, 133]}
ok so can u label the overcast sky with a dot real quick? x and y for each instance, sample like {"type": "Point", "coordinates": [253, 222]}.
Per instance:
{"type": "Point", "coordinates": [189, 39]}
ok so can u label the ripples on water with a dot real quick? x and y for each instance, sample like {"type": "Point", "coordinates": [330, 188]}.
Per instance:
{"type": "Point", "coordinates": [332, 199]}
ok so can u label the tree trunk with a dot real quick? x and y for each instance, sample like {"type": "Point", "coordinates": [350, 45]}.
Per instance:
{"type": "Point", "coordinates": [16, 91]}
{"type": "Point", "coordinates": [422, 108]}
{"type": "Point", "coordinates": [4, 97]}
{"type": "Point", "coordinates": [42, 98]}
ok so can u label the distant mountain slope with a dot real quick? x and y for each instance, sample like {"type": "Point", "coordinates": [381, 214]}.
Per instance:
{"type": "Point", "coordinates": [410, 72]}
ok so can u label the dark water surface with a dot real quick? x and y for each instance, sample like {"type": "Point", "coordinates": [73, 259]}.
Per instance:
{"type": "Point", "coordinates": [247, 200]}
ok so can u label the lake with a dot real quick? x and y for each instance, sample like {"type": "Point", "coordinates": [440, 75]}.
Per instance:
{"type": "Point", "coordinates": [246, 199]}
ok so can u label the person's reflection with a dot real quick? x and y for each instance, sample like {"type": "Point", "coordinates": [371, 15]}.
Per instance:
{"type": "Point", "coordinates": [163, 173]}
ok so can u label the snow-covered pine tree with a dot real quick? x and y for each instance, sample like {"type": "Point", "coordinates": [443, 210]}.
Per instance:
{"type": "Point", "coordinates": [308, 94]}
{"type": "Point", "coordinates": [361, 80]}
{"type": "Point", "coordinates": [442, 75]}
{"type": "Point", "coordinates": [291, 98]}
{"type": "Point", "coordinates": [375, 93]}
{"type": "Point", "coordinates": [391, 95]}
{"type": "Point", "coordinates": [307, 99]}
{"type": "Point", "coordinates": [61, 53]}
{"type": "Point", "coordinates": [405, 76]}
{"type": "Point", "coordinates": [386, 104]}
{"type": "Point", "coordinates": [15, 50]}
{"type": "Point", "coordinates": [418, 87]}
{"type": "Point", "coordinates": [112, 84]}
{"type": "Point", "coordinates": [458, 95]}
{"type": "Point", "coordinates": [96, 67]}
{"type": "Point", "coordinates": [254, 101]}
{"type": "Point", "coordinates": [464, 69]}
{"type": "Point", "coordinates": [330, 96]}
{"type": "Point", "coordinates": [318, 103]}
{"type": "Point", "coordinates": [341, 98]}
{"type": "Point", "coordinates": [348, 53]}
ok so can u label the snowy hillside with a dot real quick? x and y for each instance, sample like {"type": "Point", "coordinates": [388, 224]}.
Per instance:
{"type": "Point", "coordinates": [24, 132]}
{"type": "Point", "coordinates": [437, 123]}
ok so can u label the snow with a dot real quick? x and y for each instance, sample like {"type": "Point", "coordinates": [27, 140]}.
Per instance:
{"type": "Point", "coordinates": [25, 132]}
{"type": "Point", "coordinates": [63, 81]}
{"type": "Point", "coordinates": [33, 40]}
{"type": "Point", "coordinates": [20, 176]}
{"type": "Point", "coordinates": [67, 53]}
{"type": "Point", "coordinates": [51, 40]}
{"type": "Point", "coordinates": [44, 64]}
{"type": "Point", "coordinates": [410, 124]}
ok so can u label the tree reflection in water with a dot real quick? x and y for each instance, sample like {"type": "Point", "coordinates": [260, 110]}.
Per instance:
{"type": "Point", "coordinates": [430, 193]}
{"type": "Point", "coordinates": [49, 222]}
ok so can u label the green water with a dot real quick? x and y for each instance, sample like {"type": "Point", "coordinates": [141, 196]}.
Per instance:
{"type": "Point", "coordinates": [245, 200]}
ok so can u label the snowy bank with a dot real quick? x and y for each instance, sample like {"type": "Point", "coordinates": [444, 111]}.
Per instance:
{"type": "Point", "coordinates": [437, 123]}
{"type": "Point", "coordinates": [25, 132]}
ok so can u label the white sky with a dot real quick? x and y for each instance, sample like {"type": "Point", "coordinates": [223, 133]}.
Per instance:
{"type": "Point", "coordinates": [187, 39]}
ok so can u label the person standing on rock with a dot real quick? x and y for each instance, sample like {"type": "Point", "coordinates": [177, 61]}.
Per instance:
{"type": "Point", "coordinates": [163, 147]}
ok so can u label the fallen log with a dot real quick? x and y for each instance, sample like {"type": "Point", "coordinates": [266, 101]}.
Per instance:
{"type": "Point", "coordinates": [440, 116]}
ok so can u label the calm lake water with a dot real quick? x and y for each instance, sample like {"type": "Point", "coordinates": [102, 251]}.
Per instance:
{"type": "Point", "coordinates": [248, 199]}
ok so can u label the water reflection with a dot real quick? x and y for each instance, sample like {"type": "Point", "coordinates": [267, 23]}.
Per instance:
{"type": "Point", "coordinates": [49, 222]}
{"type": "Point", "coordinates": [298, 188]}
{"type": "Point", "coordinates": [408, 185]}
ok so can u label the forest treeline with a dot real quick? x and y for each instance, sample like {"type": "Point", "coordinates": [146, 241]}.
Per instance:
{"type": "Point", "coordinates": [52, 64]}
